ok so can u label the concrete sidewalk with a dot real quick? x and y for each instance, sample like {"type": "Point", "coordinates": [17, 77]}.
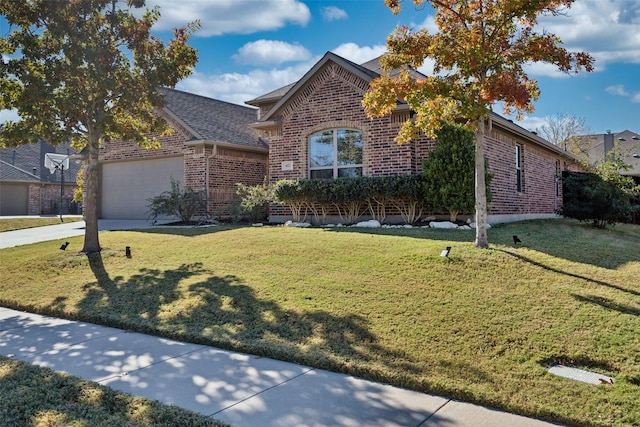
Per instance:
{"type": "Point", "coordinates": [240, 389]}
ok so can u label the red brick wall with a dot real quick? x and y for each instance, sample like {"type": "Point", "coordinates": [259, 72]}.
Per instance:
{"type": "Point", "coordinates": [225, 166]}
{"type": "Point", "coordinates": [332, 99]}
{"type": "Point", "coordinates": [43, 198]}
{"type": "Point", "coordinates": [118, 150]}
{"type": "Point", "coordinates": [229, 167]}
{"type": "Point", "coordinates": [539, 177]}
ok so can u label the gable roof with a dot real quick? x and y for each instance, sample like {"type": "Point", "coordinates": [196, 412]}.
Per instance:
{"type": "Point", "coordinates": [212, 120]}
{"type": "Point", "coordinates": [284, 94]}
{"type": "Point", "coordinates": [368, 71]}
{"type": "Point", "coordinates": [26, 163]}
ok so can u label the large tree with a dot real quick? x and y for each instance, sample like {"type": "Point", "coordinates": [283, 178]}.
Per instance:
{"type": "Point", "coordinates": [479, 55]}
{"type": "Point", "coordinates": [87, 71]}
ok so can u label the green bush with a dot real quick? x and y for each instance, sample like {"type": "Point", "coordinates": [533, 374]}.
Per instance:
{"type": "Point", "coordinates": [352, 196]}
{"type": "Point", "coordinates": [601, 200]}
{"type": "Point", "coordinates": [184, 204]}
{"type": "Point", "coordinates": [449, 172]}
{"type": "Point", "coordinates": [254, 200]}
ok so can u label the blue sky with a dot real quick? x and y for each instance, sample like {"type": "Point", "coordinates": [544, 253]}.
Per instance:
{"type": "Point", "coordinates": [250, 47]}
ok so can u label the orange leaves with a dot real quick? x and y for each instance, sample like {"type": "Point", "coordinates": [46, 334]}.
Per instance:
{"type": "Point", "coordinates": [483, 44]}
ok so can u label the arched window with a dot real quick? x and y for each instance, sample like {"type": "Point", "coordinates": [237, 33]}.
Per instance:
{"type": "Point", "coordinates": [335, 153]}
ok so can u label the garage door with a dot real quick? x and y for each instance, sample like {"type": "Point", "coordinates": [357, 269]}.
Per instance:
{"type": "Point", "coordinates": [13, 199]}
{"type": "Point", "coordinates": [126, 186]}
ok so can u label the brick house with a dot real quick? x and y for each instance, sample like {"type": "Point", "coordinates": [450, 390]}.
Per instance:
{"type": "Point", "coordinates": [317, 127]}
{"type": "Point", "coordinates": [28, 188]}
{"type": "Point", "coordinates": [212, 148]}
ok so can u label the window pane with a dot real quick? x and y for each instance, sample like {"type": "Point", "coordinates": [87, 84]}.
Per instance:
{"type": "Point", "coordinates": [349, 172]}
{"type": "Point", "coordinates": [322, 173]}
{"type": "Point", "coordinates": [349, 147]}
{"type": "Point", "coordinates": [321, 149]}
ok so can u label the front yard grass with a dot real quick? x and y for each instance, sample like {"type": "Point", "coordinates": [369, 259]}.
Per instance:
{"type": "Point", "coordinates": [480, 326]}
{"type": "Point", "coordinates": [10, 224]}
{"type": "Point", "coordinates": [34, 396]}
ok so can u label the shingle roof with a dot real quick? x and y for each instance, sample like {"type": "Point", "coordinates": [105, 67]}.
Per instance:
{"type": "Point", "coordinates": [374, 66]}
{"type": "Point", "coordinates": [274, 95]}
{"type": "Point", "coordinates": [9, 172]}
{"type": "Point", "coordinates": [26, 163]}
{"type": "Point", "coordinates": [214, 120]}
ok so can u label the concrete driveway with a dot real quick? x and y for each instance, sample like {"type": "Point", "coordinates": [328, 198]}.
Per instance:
{"type": "Point", "coordinates": [27, 236]}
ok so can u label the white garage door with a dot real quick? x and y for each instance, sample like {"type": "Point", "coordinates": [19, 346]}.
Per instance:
{"type": "Point", "coordinates": [14, 199]}
{"type": "Point", "coordinates": [126, 186]}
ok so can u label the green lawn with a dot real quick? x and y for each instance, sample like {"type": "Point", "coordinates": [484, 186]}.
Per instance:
{"type": "Point", "coordinates": [33, 396]}
{"type": "Point", "coordinates": [481, 325]}
{"type": "Point", "coordinates": [10, 224]}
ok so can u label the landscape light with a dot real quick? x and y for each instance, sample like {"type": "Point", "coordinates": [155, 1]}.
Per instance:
{"type": "Point", "coordinates": [445, 253]}
{"type": "Point", "coordinates": [64, 246]}
{"type": "Point", "coordinates": [516, 240]}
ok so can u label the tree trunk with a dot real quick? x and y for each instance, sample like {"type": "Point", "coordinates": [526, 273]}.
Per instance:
{"type": "Point", "coordinates": [91, 242]}
{"type": "Point", "coordinates": [482, 242]}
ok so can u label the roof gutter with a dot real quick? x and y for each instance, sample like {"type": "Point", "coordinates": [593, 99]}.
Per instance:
{"type": "Point", "coordinates": [208, 143]}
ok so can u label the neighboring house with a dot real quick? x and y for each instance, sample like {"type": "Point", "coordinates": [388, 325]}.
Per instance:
{"type": "Point", "coordinates": [317, 127]}
{"type": "Point", "coordinates": [212, 148]}
{"type": "Point", "coordinates": [28, 188]}
{"type": "Point", "coordinates": [598, 145]}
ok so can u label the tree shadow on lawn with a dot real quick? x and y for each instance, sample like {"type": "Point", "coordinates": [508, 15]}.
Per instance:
{"type": "Point", "coordinates": [565, 239]}
{"type": "Point", "coordinates": [226, 313]}
{"type": "Point", "coordinates": [566, 273]}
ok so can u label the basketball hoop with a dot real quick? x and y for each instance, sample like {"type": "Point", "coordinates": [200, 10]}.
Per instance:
{"type": "Point", "coordinates": [53, 162]}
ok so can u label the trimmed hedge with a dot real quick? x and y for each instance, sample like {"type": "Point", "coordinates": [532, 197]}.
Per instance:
{"type": "Point", "coordinates": [352, 197]}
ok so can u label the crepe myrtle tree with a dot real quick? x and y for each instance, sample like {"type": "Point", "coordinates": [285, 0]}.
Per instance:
{"type": "Point", "coordinates": [87, 71]}
{"type": "Point", "coordinates": [479, 54]}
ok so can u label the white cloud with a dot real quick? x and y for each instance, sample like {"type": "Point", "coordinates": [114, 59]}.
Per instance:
{"type": "Point", "coordinates": [617, 90]}
{"type": "Point", "coordinates": [359, 54]}
{"type": "Point", "coordinates": [607, 29]}
{"type": "Point", "coordinates": [241, 87]}
{"type": "Point", "coordinates": [333, 13]}
{"type": "Point", "coordinates": [635, 98]}
{"type": "Point", "coordinates": [532, 123]}
{"type": "Point", "coordinates": [429, 23]}
{"type": "Point", "coordinates": [231, 16]}
{"type": "Point", "coordinates": [263, 52]}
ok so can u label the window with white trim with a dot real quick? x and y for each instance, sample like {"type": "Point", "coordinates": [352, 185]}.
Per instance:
{"type": "Point", "coordinates": [335, 153]}
{"type": "Point", "coordinates": [519, 169]}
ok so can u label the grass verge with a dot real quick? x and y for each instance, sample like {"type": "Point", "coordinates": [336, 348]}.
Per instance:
{"type": "Point", "coordinates": [34, 396]}
{"type": "Point", "coordinates": [480, 326]}
{"type": "Point", "coordinates": [10, 224]}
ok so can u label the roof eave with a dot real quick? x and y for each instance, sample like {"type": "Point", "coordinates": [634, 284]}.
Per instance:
{"type": "Point", "coordinates": [531, 137]}
{"type": "Point", "coordinates": [210, 143]}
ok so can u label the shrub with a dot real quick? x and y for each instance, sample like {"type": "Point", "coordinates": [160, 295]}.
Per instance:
{"type": "Point", "coordinates": [449, 172]}
{"type": "Point", "coordinates": [351, 196]}
{"type": "Point", "coordinates": [183, 204]}
{"type": "Point", "coordinates": [254, 200]}
{"type": "Point", "coordinates": [601, 200]}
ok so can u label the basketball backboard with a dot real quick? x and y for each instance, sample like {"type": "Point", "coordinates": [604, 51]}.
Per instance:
{"type": "Point", "coordinates": [53, 161]}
